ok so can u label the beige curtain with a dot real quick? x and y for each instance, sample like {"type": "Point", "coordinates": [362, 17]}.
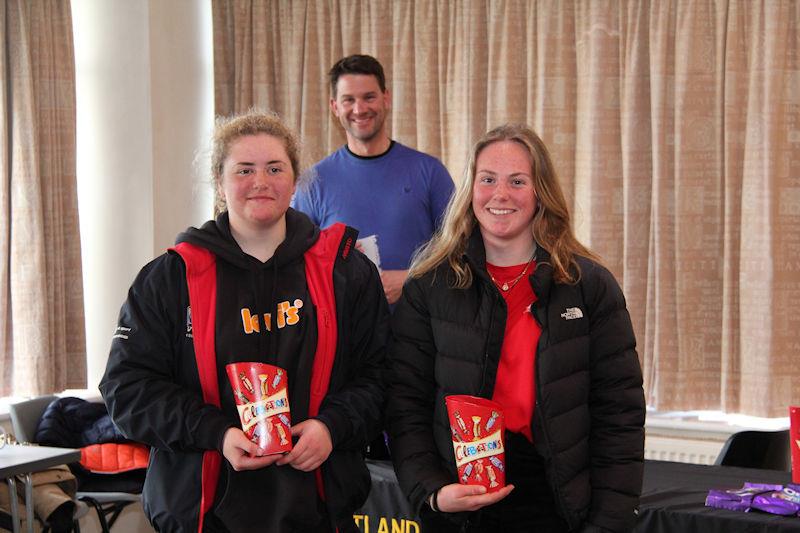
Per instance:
{"type": "Point", "coordinates": [41, 292]}
{"type": "Point", "coordinates": [675, 126]}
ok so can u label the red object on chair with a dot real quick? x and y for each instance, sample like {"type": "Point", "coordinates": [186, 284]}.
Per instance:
{"type": "Point", "coordinates": [113, 457]}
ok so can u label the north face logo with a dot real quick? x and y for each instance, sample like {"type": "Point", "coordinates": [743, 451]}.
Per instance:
{"type": "Point", "coordinates": [572, 313]}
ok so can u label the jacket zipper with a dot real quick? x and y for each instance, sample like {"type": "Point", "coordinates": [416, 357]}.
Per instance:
{"type": "Point", "coordinates": [323, 338]}
{"type": "Point", "coordinates": [545, 434]}
{"type": "Point", "coordinates": [486, 346]}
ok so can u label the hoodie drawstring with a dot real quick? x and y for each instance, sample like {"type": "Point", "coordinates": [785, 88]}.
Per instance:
{"type": "Point", "coordinates": [273, 309]}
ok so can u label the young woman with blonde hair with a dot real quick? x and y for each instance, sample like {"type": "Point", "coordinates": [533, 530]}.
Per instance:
{"type": "Point", "coordinates": [506, 304]}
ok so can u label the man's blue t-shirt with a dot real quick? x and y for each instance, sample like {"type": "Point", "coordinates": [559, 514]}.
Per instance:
{"type": "Point", "coordinates": [398, 196]}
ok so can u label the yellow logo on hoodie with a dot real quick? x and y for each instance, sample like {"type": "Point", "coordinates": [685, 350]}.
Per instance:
{"type": "Point", "coordinates": [287, 315]}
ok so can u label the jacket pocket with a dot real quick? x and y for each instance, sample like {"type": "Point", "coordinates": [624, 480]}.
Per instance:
{"type": "Point", "coordinates": [171, 493]}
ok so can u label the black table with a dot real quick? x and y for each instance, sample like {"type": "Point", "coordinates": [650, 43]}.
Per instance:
{"type": "Point", "coordinates": [674, 495]}
{"type": "Point", "coordinates": [673, 501]}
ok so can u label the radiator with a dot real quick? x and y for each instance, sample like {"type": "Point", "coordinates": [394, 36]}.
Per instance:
{"type": "Point", "coordinates": [682, 450]}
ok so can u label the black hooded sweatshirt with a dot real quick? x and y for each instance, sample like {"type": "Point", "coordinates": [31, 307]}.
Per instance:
{"type": "Point", "coordinates": [263, 313]}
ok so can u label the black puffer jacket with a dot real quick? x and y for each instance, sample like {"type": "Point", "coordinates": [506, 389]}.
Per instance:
{"type": "Point", "coordinates": [589, 415]}
{"type": "Point", "coordinates": [75, 423]}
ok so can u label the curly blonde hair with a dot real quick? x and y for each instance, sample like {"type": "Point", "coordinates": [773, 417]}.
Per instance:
{"type": "Point", "coordinates": [229, 129]}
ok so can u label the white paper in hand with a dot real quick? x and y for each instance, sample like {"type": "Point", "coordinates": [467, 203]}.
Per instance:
{"type": "Point", "coordinates": [369, 247]}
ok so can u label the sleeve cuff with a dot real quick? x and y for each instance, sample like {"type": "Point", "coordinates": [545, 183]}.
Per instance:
{"type": "Point", "coordinates": [338, 426]}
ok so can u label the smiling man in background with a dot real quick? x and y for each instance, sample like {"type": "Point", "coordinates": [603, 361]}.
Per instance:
{"type": "Point", "coordinates": [393, 194]}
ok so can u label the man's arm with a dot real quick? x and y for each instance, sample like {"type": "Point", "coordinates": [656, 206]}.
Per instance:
{"type": "Point", "coordinates": [392, 281]}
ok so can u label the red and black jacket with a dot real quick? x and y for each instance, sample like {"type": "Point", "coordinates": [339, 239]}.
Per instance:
{"type": "Point", "coordinates": [162, 380]}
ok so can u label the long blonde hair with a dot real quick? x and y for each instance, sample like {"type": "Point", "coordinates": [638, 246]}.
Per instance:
{"type": "Point", "coordinates": [551, 225]}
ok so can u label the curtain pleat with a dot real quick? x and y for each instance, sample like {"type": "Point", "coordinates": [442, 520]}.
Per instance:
{"type": "Point", "coordinates": [675, 127]}
{"type": "Point", "coordinates": [41, 290]}
{"type": "Point", "coordinates": [6, 346]}
{"type": "Point", "coordinates": [635, 163]}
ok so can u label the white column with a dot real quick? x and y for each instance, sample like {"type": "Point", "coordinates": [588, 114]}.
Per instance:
{"type": "Point", "coordinates": [144, 100]}
{"type": "Point", "coordinates": [182, 93]}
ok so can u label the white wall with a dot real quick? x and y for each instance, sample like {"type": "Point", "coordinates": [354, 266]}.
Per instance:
{"type": "Point", "coordinates": [144, 87]}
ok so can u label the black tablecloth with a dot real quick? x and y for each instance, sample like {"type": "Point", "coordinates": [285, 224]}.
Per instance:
{"type": "Point", "coordinates": [386, 509]}
{"type": "Point", "coordinates": [673, 501]}
{"type": "Point", "coordinates": [674, 495]}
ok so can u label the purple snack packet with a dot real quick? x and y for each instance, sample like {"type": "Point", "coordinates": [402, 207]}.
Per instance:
{"type": "Point", "coordinates": [783, 502]}
{"type": "Point", "coordinates": [738, 499]}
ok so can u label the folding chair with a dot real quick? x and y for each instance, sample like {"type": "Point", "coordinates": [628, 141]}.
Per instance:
{"type": "Point", "coordinates": [25, 418]}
